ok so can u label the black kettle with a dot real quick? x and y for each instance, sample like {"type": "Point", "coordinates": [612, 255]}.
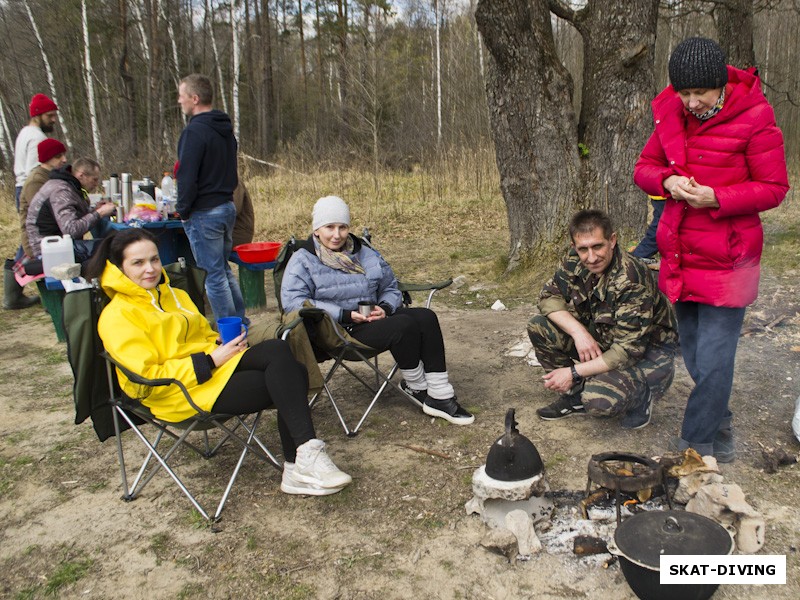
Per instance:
{"type": "Point", "coordinates": [513, 457]}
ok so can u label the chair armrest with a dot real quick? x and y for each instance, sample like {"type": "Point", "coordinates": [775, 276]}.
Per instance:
{"type": "Point", "coordinates": [424, 287]}
{"type": "Point", "coordinates": [160, 382]}
{"type": "Point", "coordinates": [431, 288]}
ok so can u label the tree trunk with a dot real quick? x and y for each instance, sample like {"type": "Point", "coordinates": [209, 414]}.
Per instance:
{"type": "Point", "coordinates": [6, 143]}
{"type": "Point", "coordinates": [533, 124]}
{"type": "Point", "coordinates": [87, 65]}
{"type": "Point", "coordinates": [303, 64]}
{"type": "Point", "coordinates": [734, 20]}
{"type": "Point", "coordinates": [236, 51]}
{"type": "Point", "coordinates": [221, 97]}
{"type": "Point", "coordinates": [128, 82]}
{"type": "Point", "coordinates": [615, 121]}
{"type": "Point", "coordinates": [342, 25]}
{"type": "Point", "coordinates": [50, 79]}
{"type": "Point", "coordinates": [269, 81]}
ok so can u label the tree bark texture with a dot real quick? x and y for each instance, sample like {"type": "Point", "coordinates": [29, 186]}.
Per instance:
{"type": "Point", "coordinates": [529, 93]}
{"type": "Point", "coordinates": [615, 121]}
{"type": "Point", "coordinates": [734, 20]}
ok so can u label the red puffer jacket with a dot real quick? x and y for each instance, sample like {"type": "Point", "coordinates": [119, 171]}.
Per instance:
{"type": "Point", "coordinates": [710, 255]}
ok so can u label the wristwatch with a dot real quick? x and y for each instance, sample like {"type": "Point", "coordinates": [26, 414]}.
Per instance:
{"type": "Point", "coordinates": [576, 378]}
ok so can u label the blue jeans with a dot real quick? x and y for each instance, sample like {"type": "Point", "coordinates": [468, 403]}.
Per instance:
{"type": "Point", "coordinates": [708, 337]}
{"type": "Point", "coordinates": [17, 192]}
{"type": "Point", "coordinates": [647, 247]}
{"type": "Point", "coordinates": [210, 234]}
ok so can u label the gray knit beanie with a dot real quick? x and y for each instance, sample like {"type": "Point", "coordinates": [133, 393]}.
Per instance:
{"type": "Point", "coordinates": [697, 63]}
{"type": "Point", "coordinates": [330, 209]}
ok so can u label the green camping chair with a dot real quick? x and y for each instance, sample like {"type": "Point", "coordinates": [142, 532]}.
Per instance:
{"type": "Point", "coordinates": [97, 394]}
{"type": "Point", "coordinates": [331, 341]}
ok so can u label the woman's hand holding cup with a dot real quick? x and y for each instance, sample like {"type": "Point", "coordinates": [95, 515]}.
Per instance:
{"type": "Point", "coordinates": [226, 351]}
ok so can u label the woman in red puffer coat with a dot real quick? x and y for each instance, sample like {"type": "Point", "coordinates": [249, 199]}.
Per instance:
{"type": "Point", "coordinates": [717, 156]}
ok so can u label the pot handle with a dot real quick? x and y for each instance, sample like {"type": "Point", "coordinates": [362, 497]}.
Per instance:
{"type": "Point", "coordinates": [511, 422]}
{"type": "Point", "coordinates": [671, 525]}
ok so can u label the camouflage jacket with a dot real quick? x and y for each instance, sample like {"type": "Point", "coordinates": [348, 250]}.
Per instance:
{"type": "Point", "coordinates": [623, 308]}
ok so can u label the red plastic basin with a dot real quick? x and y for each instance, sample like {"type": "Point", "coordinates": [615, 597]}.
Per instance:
{"type": "Point", "coordinates": [258, 252]}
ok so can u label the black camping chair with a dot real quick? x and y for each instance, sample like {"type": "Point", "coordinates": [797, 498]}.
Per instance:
{"type": "Point", "coordinates": [98, 395]}
{"type": "Point", "coordinates": [331, 341]}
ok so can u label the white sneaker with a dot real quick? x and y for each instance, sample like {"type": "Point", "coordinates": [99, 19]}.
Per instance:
{"type": "Point", "coordinates": [314, 466]}
{"type": "Point", "coordinates": [290, 485]}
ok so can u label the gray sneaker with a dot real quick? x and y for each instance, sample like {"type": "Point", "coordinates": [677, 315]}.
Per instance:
{"type": "Point", "coordinates": [291, 485]}
{"type": "Point", "coordinates": [313, 466]}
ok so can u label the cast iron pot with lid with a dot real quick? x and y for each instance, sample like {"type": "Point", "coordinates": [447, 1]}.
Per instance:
{"type": "Point", "coordinates": [644, 537]}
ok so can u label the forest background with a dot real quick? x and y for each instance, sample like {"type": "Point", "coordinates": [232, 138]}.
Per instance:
{"type": "Point", "coordinates": [394, 90]}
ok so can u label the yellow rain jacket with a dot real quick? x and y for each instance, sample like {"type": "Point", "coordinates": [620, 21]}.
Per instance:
{"type": "Point", "coordinates": [155, 333]}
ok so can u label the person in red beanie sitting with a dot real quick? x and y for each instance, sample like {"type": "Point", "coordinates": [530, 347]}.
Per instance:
{"type": "Point", "coordinates": [42, 111]}
{"type": "Point", "coordinates": [51, 154]}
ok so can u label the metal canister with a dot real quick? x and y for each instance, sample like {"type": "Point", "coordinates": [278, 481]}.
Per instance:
{"type": "Point", "coordinates": [113, 185]}
{"type": "Point", "coordinates": [126, 182]}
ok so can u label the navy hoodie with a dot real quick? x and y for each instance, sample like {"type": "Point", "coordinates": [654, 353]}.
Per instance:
{"type": "Point", "coordinates": [207, 171]}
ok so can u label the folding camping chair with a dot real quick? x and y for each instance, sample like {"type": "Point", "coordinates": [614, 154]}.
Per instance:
{"type": "Point", "coordinates": [332, 342]}
{"type": "Point", "coordinates": [112, 411]}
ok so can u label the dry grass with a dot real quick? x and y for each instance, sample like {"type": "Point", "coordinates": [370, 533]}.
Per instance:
{"type": "Point", "coordinates": [430, 224]}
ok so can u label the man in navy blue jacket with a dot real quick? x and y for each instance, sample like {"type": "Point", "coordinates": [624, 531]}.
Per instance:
{"type": "Point", "coordinates": [206, 180]}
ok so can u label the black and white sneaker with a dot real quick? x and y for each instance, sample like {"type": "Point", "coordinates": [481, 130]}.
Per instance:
{"type": "Point", "coordinates": [449, 410]}
{"type": "Point", "coordinates": [639, 416]}
{"type": "Point", "coordinates": [416, 396]}
{"type": "Point", "coordinates": [566, 405]}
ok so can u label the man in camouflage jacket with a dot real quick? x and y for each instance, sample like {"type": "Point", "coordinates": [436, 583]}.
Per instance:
{"type": "Point", "coordinates": [606, 335]}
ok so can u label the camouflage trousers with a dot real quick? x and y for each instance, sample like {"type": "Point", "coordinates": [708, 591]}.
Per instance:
{"type": "Point", "coordinates": [607, 394]}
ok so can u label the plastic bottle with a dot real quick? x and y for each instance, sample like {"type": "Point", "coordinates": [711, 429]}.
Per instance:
{"type": "Point", "coordinates": [168, 194]}
{"type": "Point", "coordinates": [167, 186]}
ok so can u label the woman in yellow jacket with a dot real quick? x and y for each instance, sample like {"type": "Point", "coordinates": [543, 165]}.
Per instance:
{"type": "Point", "coordinates": [156, 330]}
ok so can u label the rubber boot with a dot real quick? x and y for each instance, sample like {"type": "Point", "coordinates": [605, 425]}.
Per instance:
{"type": "Point", "coordinates": [724, 446]}
{"type": "Point", "coordinates": [13, 296]}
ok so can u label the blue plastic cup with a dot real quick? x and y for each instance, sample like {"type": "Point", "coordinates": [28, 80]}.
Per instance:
{"type": "Point", "coordinates": [230, 328]}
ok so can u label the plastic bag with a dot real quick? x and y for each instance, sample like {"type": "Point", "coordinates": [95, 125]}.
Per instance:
{"type": "Point", "coordinates": [146, 213]}
{"type": "Point", "coordinates": [796, 420]}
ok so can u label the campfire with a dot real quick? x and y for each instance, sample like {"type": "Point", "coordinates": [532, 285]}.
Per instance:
{"type": "Point", "coordinates": [620, 473]}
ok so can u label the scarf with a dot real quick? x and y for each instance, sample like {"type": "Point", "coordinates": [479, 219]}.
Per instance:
{"type": "Point", "coordinates": [341, 260]}
{"type": "Point", "coordinates": [712, 111]}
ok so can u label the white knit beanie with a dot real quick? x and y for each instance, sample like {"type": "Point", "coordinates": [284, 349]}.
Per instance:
{"type": "Point", "coordinates": [330, 209]}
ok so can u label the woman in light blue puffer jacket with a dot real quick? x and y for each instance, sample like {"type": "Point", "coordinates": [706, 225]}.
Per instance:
{"type": "Point", "coordinates": [339, 273]}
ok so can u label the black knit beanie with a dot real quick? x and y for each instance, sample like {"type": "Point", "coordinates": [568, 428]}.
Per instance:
{"type": "Point", "coordinates": [697, 63]}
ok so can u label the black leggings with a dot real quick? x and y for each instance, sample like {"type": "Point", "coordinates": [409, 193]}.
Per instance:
{"type": "Point", "coordinates": [410, 334]}
{"type": "Point", "coordinates": [268, 375]}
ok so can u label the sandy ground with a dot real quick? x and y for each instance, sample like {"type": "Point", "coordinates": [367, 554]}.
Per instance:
{"type": "Point", "coordinates": [400, 531]}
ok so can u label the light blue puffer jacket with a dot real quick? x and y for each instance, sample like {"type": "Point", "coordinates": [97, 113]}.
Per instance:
{"type": "Point", "coordinates": [334, 291]}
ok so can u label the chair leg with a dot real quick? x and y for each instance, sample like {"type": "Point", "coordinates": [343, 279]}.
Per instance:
{"type": "Point", "coordinates": [162, 461]}
{"type": "Point", "coordinates": [387, 381]}
{"type": "Point", "coordinates": [235, 473]}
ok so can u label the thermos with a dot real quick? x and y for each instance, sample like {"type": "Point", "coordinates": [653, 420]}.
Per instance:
{"type": "Point", "coordinates": [148, 187]}
{"type": "Point", "coordinates": [113, 185]}
{"type": "Point", "coordinates": [127, 192]}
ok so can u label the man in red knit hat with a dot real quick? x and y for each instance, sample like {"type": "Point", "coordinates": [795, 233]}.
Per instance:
{"type": "Point", "coordinates": [43, 120]}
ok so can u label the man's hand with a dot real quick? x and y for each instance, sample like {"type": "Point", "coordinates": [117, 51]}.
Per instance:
{"type": "Point", "coordinates": [105, 209]}
{"type": "Point", "coordinates": [586, 346]}
{"type": "Point", "coordinates": [559, 380]}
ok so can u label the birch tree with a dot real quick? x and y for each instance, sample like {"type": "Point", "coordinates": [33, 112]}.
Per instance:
{"type": "Point", "coordinates": [236, 50]}
{"type": "Point", "coordinates": [437, 15]}
{"type": "Point", "coordinates": [217, 63]}
{"type": "Point", "coordinates": [5, 137]}
{"type": "Point", "coordinates": [88, 74]}
{"type": "Point", "coordinates": [50, 79]}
